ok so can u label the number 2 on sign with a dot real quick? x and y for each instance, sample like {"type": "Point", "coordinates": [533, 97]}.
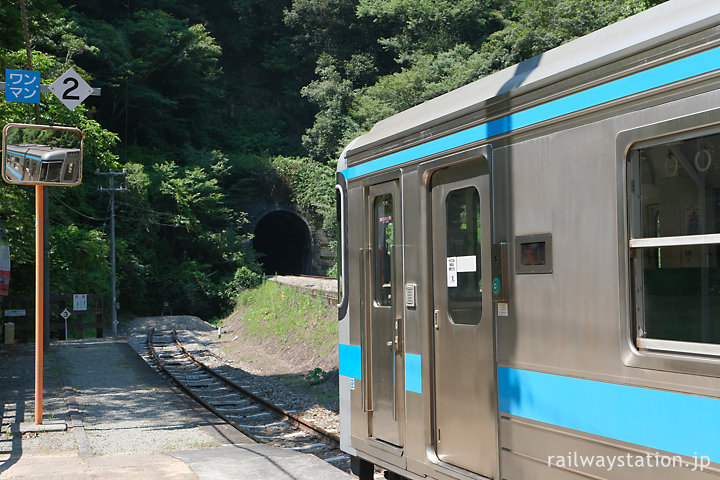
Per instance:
{"type": "Point", "coordinates": [66, 94]}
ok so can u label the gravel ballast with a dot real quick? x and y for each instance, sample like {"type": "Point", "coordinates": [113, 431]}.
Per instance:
{"type": "Point", "coordinates": [264, 373]}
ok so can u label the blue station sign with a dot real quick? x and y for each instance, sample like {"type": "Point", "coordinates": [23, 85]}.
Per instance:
{"type": "Point", "coordinates": [22, 86]}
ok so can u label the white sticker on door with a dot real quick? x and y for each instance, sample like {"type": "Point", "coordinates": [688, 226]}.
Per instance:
{"type": "Point", "coordinates": [452, 271]}
{"type": "Point", "coordinates": [467, 263]}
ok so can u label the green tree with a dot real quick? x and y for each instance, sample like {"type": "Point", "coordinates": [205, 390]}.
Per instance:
{"type": "Point", "coordinates": [311, 185]}
{"type": "Point", "coordinates": [161, 81]}
{"type": "Point", "coordinates": [78, 254]}
{"type": "Point", "coordinates": [420, 27]}
{"type": "Point", "coordinates": [79, 259]}
{"type": "Point", "coordinates": [334, 95]}
{"type": "Point", "coordinates": [442, 47]}
{"type": "Point", "coordinates": [535, 27]}
{"type": "Point", "coordinates": [202, 246]}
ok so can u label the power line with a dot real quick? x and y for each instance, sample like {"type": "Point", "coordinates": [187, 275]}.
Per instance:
{"type": "Point", "coordinates": [144, 209]}
{"type": "Point", "coordinates": [149, 222]}
{"type": "Point", "coordinates": [89, 217]}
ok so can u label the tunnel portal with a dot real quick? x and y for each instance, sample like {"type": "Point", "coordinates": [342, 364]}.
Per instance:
{"type": "Point", "coordinates": [283, 241]}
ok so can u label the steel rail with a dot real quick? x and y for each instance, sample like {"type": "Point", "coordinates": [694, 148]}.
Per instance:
{"type": "Point", "coordinates": [192, 394]}
{"type": "Point", "coordinates": [293, 419]}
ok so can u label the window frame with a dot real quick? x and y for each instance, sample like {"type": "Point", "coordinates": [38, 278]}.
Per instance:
{"type": "Point", "coordinates": [521, 240]}
{"type": "Point", "coordinates": [377, 259]}
{"type": "Point", "coordinates": [637, 351]}
{"type": "Point", "coordinates": [341, 257]}
{"type": "Point", "coordinates": [455, 301]}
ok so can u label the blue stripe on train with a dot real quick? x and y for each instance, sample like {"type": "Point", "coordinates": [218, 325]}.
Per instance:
{"type": "Point", "coordinates": [660, 420]}
{"type": "Point", "coordinates": [350, 360]}
{"type": "Point", "coordinates": [26, 155]}
{"type": "Point", "coordinates": [673, 422]}
{"type": "Point", "coordinates": [647, 80]}
{"type": "Point", "coordinates": [13, 171]}
{"type": "Point", "coordinates": [413, 373]}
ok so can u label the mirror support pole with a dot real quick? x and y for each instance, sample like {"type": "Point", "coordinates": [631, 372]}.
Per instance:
{"type": "Point", "coordinates": [39, 300]}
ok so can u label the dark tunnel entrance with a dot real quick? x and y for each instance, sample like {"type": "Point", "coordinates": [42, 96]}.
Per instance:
{"type": "Point", "coordinates": [283, 241]}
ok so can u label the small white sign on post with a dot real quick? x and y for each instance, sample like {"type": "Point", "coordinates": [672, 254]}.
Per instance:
{"type": "Point", "coordinates": [71, 89]}
{"type": "Point", "coordinates": [80, 301]}
{"type": "Point", "coordinates": [65, 315]}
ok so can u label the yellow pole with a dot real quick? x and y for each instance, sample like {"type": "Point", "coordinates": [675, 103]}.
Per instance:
{"type": "Point", "coordinates": [39, 304]}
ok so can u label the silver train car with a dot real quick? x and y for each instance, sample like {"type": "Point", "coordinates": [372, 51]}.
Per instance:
{"type": "Point", "coordinates": [42, 163]}
{"type": "Point", "coordinates": [531, 266]}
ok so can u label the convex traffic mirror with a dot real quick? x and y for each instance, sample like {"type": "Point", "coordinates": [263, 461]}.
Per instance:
{"type": "Point", "coordinates": [42, 155]}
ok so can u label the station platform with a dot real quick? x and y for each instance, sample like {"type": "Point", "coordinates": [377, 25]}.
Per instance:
{"type": "Point", "coordinates": [107, 414]}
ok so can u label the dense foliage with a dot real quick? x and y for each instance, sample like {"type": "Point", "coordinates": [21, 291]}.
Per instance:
{"type": "Point", "coordinates": [209, 105]}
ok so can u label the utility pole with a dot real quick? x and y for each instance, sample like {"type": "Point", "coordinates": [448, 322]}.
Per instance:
{"type": "Point", "coordinates": [112, 189]}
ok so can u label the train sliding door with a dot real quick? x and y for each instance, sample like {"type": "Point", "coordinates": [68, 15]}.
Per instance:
{"type": "Point", "coordinates": [463, 326]}
{"type": "Point", "coordinates": [384, 356]}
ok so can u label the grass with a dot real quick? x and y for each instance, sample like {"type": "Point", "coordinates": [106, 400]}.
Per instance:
{"type": "Point", "coordinates": [285, 314]}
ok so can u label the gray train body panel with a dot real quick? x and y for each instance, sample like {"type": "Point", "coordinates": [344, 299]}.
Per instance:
{"type": "Point", "coordinates": [41, 163]}
{"type": "Point", "coordinates": [531, 270]}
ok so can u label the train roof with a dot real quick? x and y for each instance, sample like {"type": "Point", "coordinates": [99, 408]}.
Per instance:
{"type": "Point", "coordinates": [666, 22]}
{"type": "Point", "coordinates": [43, 152]}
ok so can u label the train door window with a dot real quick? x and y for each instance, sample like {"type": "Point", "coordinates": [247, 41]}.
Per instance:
{"type": "Point", "coordinates": [674, 214]}
{"type": "Point", "coordinates": [384, 240]}
{"type": "Point", "coordinates": [464, 232]}
{"type": "Point", "coordinates": [69, 171]}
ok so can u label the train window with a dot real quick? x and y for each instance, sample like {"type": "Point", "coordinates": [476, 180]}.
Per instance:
{"type": "Point", "coordinates": [464, 230]}
{"type": "Point", "coordinates": [674, 214]}
{"type": "Point", "coordinates": [384, 241]}
{"type": "Point", "coordinates": [69, 171]}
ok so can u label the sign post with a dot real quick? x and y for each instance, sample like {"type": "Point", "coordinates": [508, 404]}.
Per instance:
{"type": "Point", "coordinates": [65, 315]}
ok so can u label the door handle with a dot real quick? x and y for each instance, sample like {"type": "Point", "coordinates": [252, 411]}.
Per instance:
{"type": "Point", "coordinates": [397, 340]}
{"type": "Point", "coordinates": [436, 314]}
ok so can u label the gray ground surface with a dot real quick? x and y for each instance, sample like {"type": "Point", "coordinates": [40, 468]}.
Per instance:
{"type": "Point", "coordinates": [130, 410]}
{"type": "Point", "coordinates": [122, 405]}
{"type": "Point", "coordinates": [125, 422]}
{"type": "Point", "coordinates": [17, 402]}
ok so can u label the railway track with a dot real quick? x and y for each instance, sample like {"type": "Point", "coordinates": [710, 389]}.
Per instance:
{"type": "Point", "coordinates": [254, 416]}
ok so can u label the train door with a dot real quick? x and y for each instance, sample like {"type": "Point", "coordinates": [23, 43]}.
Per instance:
{"type": "Point", "coordinates": [384, 357]}
{"type": "Point", "coordinates": [463, 325]}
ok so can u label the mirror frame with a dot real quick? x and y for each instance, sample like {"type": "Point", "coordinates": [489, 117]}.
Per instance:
{"type": "Point", "coordinates": [11, 181]}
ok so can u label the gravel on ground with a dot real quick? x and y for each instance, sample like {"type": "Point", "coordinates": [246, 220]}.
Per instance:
{"type": "Point", "coordinates": [252, 364]}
